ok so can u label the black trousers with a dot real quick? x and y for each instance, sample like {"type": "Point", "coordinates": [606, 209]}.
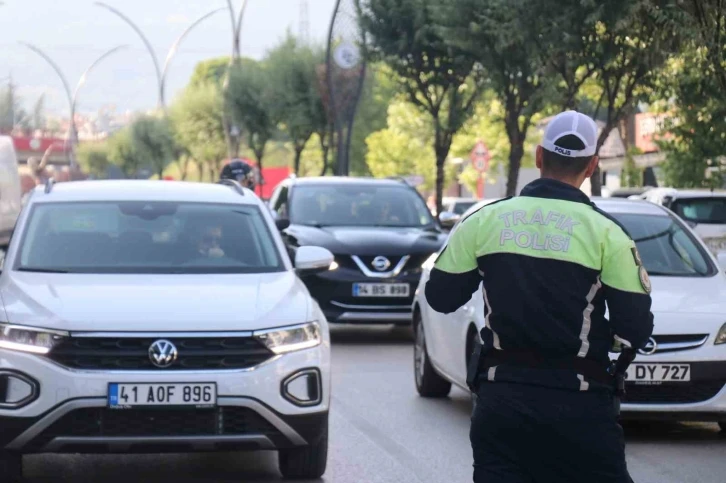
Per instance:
{"type": "Point", "coordinates": [532, 434]}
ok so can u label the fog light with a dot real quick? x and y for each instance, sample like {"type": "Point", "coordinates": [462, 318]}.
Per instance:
{"type": "Point", "coordinates": [303, 388]}
{"type": "Point", "coordinates": [16, 390]}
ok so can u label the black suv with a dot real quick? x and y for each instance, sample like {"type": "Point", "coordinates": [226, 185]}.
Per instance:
{"type": "Point", "coordinates": [380, 231]}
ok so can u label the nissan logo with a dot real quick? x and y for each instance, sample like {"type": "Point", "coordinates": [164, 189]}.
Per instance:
{"type": "Point", "coordinates": [163, 353]}
{"type": "Point", "coordinates": [381, 263]}
{"type": "Point", "coordinates": [650, 347]}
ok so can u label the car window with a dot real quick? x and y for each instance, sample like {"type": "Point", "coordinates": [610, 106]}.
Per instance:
{"type": "Point", "coordinates": [460, 207]}
{"type": "Point", "coordinates": [147, 237]}
{"type": "Point", "coordinates": [701, 210]}
{"type": "Point", "coordinates": [358, 205]}
{"type": "Point", "coordinates": [666, 248]}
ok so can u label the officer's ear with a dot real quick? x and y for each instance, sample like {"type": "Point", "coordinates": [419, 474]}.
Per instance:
{"type": "Point", "coordinates": [592, 166]}
{"type": "Point", "coordinates": [538, 157]}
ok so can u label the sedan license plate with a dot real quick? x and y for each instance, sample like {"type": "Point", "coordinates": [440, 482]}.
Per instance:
{"type": "Point", "coordinates": [380, 289]}
{"type": "Point", "coordinates": [136, 395]}
{"type": "Point", "coordinates": [655, 373]}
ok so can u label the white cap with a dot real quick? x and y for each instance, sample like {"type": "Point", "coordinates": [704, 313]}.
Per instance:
{"type": "Point", "coordinates": [571, 123]}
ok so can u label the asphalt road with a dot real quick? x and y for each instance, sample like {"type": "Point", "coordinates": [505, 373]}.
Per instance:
{"type": "Point", "coordinates": [383, 432]}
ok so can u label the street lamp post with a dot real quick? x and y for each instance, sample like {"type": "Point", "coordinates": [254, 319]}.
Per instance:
{"type": "Point", "coordinates": [72, 97]}
{"type": "Point", "coordinates": [161, 74]}
{"type": "Point", "coordinates": [231, 131]}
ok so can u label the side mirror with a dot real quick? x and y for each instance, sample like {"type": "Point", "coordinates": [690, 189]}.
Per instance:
{"type": "Point", "coordinates": [722, 260]}
{"type": "Point", "coordinates": [448, 219]}
{"type": "Point", "coordinates": [310, 259]}
{"type": "Point", "coordinates": [282, 223]}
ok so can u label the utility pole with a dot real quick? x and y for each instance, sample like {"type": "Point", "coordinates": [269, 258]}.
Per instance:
{"type": "Point", "coordinates": [232, 133]}
{"type": "Point", "coordinates": [161, 74]}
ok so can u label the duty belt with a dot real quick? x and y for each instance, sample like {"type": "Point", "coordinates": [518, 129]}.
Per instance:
{"type": "Point", "coordinates": [590, 369]}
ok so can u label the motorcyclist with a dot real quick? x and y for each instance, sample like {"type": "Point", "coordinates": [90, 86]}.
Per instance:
{"type": "Point", "coordinates": [240, 171]}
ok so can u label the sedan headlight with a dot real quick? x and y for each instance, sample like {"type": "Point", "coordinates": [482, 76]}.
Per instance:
{"type": "Point", "coordinates": [289, 339]}
{"type": "Point", "coordinates": [29, 339]}
{"type": "Point", "coordinates": [721, 336]}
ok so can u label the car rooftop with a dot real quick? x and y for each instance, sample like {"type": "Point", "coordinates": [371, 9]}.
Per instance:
{"type": "Point", "coordinates": [623, 205]}
{"type": "Point", "coordinates": [142, 190]}
{"type": "Point", "coordinates": [690, 193]}
{"type": "Point", "coordinates": [350, 180]}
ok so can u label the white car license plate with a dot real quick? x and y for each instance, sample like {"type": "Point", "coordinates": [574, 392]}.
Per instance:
{"type": "Point", "coordinates": [658, 373]}
{"type": "Point", "coordinates": [134, 395]}
{"type": "Point", "coordinates": [380, 289]}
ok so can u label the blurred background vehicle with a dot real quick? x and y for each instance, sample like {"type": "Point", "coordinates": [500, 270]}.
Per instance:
{"type": "Point", "coordinates": [453, 208]}
{"type": "Point", "coordinates": [10, 190]}
{"type": "Point", "coordinates": [704, 210]}
{"type": "Point", "coordinates": [681, 375]}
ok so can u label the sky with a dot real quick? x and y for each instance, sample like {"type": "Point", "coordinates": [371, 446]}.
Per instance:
{"type": "Point", "coordinates": [75, 32]}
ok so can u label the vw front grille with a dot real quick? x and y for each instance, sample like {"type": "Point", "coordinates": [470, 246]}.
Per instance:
{"type": "Point", "coordinates": [132, 353]}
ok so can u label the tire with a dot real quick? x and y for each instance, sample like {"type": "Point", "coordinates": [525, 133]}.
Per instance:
{"type": "Point", "coordinates": [11, 467]}
{"type": "Point", "coordinates": [306, 463]}
{"type": "Point", "coordinates": [428, 382]}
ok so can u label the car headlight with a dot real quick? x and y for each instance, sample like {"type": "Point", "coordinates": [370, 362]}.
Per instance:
{"type": "Point", "coordinates": [334, 265]}
{"type": "Point", "coordinates": [430, 261]}
{"type": "Point", "coordinates": [289, 339]}
{"type": "Point", "coordinates": [721, 336]}
{"type": "Point", "coordinates": [29, 339]}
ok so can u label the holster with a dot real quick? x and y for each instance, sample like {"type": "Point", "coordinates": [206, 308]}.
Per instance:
{"type": "Point", "coordinates": [473, 369]}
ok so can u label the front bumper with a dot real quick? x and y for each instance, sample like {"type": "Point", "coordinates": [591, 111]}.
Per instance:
{"type": "Point", "coordinates": [71, 414]}
{"type": "Point", "coordinates": [334, 292]}
{"type": "Point", "coordinates": [701, 399]}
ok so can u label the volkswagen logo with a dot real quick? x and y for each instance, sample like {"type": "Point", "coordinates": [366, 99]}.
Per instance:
{"type": "Point", "coordinates": [381, 263]}
{"type": "Point", "coordinates": [650, 347]}
{"type": "Point", "coordinates": [163, 353]}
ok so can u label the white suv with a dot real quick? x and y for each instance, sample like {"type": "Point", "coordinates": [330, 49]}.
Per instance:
{"type": "Point", "coordinates": [155, 316]}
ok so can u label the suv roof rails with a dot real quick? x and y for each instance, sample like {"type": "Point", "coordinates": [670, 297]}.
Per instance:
{"type": "Point", "coordinates": [233, 184]}
{"type": "Point", "coordinates": [49, 185]}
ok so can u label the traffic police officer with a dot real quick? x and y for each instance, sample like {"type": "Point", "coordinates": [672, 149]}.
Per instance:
{"type": "Point", "coordinates": [238, 170]}
{"type": "Point", "coordinates": [549, 261]}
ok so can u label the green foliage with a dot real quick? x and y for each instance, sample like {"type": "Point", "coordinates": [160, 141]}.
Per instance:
{"type": "Point", "coordinates": [209, 71]}
{"type": "Point", "coordinates": [434, 75]}
{"type": "Point", "coordinates": [121, 153]}
{"type": "Point", "coordinates": [252, 103]}
{"type": "Point", "coordinates": [198, 126]}
{"type": "Point", "coordinates": [153, 142]}
{"type": "Point", "coordinates": [497, 34]}
{"type": "Point", "coordinates": [294, 89]}
{"type": "Point", "coordinates": [631, 176]}
{"type": "Point", "coordinates": [94, 158]}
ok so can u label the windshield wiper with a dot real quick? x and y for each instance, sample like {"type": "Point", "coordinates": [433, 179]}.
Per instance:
{"type": "Point", "coordinates": [42, 270]}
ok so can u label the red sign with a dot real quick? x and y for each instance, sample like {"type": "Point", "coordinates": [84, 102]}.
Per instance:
{"type": "Point", "coordinates": [480, 157]}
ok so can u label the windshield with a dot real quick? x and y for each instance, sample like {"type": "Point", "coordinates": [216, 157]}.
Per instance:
{"type": "Point", "coordinates": [665, 247]}
{"type": "Point", "coordinates": [147, 237]}
{"type": "Point", "coordinates": [460, 207]}
{"type": "Point", "coordinates": [701, 210]}
{"type": "Point", "coordinates": [358, 205]}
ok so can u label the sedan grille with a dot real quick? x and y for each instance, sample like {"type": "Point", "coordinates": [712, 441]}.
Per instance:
{"type": "Point", "coordinates": [679, 342]}
{"type": "Point", "coordinates": [132, 353]}
{"type": "Point", "coordinates": [694, 392]}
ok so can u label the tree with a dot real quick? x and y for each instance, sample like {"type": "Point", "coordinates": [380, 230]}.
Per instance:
{"type": "Point", "coordinates": [12, 113]}
{"type": "Point", "coordinates": [39, 113]}
{"type": "Point", "coordinates": [708, 21]}
{"type": "Point", "coordinates": [491, 33]}
{"type": "Point", "coordinates": [198, 125]}
{"type": "Point", "coordinates": [94, 158]}
{"type": "Point", "coordinates": [153, 142]}
{"type": "Point", "coordinates": [435, 76]}
{"type": "Point", "coordinates": [298, 105]}
{"type": "Point", "coordinates": [252, 104]}
{"type": "Point", "coordinates": [121, 153]}
{"type": "Point", "coordinates": [630, 52]}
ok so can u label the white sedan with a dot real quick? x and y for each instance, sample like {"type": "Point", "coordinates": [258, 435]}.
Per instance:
{"type": "Point", "coordinates": [681, 374]}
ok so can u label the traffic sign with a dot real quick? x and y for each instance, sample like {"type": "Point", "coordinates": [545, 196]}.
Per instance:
{"type": "Point", "coordinates": [480, 157]}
